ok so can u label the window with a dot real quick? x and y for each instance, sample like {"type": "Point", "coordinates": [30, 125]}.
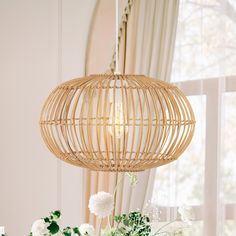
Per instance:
{"type": "Point", "coordinates": [204, 68]}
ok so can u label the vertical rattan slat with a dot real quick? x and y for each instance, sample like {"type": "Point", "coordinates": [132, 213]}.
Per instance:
{"type": "Point", "coordinates": [117, 122]}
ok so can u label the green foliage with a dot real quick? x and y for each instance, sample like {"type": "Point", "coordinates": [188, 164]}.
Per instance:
{"type": "Point", "coordinates": [76, 230]}
{"type": "Point", "coordinates": [132, 224]}
{"type": "Point", "coordinates": [54, 228]}
{"type": "Point", "coordinates": [68, 231]}
{"type": "Point", "coordinates": [55, 215]}
{"type": "Point", "coordinates": [52, 221]}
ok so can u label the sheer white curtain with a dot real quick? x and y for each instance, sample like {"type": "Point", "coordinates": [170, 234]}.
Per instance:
{"type": "Point", "coordinates": [204, 68]}
{"type": "Point", "coordinates": [150, 44]}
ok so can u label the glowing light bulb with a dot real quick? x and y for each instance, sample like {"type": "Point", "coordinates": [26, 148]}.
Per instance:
{"type": "Point", "coordinates": [117, 127]}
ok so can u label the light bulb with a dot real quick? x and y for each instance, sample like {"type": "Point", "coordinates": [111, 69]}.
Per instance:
{"type": "Point", "coordinates": [117, 127]}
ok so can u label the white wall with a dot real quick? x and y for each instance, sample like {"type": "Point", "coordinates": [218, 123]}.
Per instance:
{"type": "Point", "coordinates": [28, 72]}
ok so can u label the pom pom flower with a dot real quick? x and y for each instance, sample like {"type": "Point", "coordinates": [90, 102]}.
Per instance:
{"type": "Point", "coordinates": [87, 230]}
{"type": "Point", "coordinates": [39, 228]}
{"type": "Point", "coordinates": [101, 204]}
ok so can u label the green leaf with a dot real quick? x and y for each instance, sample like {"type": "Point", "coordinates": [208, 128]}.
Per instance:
{"type": "Point", "coordinates": [47, 220]}
{"type": "Point", "coordinates": [56, 215]}
{"type": "Point", "coordinates": [67, 233]}
{"type": "Point", "coordinates": [126, 222]}
{"type": "Point", "coordinates": [76, 231]}
{"type": "Point", "coordinates": [53, 227]}
{"type": "Point", "coordinates": [133, 224]}
{"type": "Point", "coordinates": [118, 219]}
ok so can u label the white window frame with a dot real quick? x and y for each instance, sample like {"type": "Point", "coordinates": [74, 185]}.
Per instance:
{"type": "Point", "coordinates": [211, 212]}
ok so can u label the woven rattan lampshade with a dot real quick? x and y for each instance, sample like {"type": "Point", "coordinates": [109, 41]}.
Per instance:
{"type": "Point", "coordinates": [117, 122]}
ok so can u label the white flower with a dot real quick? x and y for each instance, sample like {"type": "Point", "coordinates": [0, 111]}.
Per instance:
{"type": "Point", "coordinates": [186, 213]}
{"type": "Point", "coordinates": [101, 204]}
{"type": "Point", "coordinates": [39, 228]}
{"type": "Point", "coordinates": [87, 230]}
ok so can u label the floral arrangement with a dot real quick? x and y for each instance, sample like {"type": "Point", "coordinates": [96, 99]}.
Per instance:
{"type": "Point", "coordinates": [101, 204]}
{"type": "Point", "coordinates": [49, 226]}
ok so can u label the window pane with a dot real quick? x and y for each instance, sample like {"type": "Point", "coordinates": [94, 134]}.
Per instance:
{"type": "Point", "coordinates": [228, 161]}
{"type": "Point", "coordinates": [206, 39]}
{"type": "Point", "coordinates": [196, 229]}
{"type": "Point", "coordinates": [230, 228]}
{"type": "Point", "coordinates": [182, 181]}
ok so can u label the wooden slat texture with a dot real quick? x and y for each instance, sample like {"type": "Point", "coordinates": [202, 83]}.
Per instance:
{"type": "Point", "coordinates": [119, 123]}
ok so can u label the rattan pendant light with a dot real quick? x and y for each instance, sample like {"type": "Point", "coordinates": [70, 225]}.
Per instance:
{"type": "Point", "coordinates": [117, 122]}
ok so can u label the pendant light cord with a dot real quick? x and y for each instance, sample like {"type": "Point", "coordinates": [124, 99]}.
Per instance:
{"type": "Point", "coordinates": [121, 30]}
{"type": "Point", "coordinates": [125, 47]}
{"type": "Point", "coordinates": [117, 38]}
